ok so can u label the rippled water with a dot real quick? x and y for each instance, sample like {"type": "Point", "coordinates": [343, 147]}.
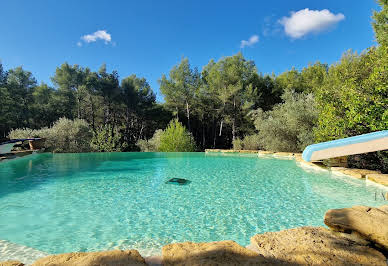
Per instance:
{"type": "Point", "coordinates": [59, 203]}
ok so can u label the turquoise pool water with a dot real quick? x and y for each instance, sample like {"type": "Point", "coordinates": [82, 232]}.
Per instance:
{"type": "Point", "coordinates": [85, 202]}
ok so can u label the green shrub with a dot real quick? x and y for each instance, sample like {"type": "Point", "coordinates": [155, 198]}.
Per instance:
{"type": "Point", "coordinates": [175, 138]}
{"type": "Point", "coordinates": [69, 136]}
{"type": "Point", "coordinates": [23, 133]}
{"type": "Point", "coordinates": [151, 145]}
{"type": "Point", "coordinates": [250, 142]}
{"type": "Point", "coordinates": [107, 139]}
{"type": "Point", "coordinates": [64, 136]}
{"type": "Point", "coordinates": [289, 126]}
{"type": "Point", "coordinates": [237, 144]}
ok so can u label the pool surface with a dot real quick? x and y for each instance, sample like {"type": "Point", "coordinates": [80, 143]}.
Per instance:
{"type": "Point", "coordinates": [59, 203]}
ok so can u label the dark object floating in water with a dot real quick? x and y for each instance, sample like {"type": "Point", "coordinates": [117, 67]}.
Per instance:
{"type": "Point", "coordinates": [178, 181]}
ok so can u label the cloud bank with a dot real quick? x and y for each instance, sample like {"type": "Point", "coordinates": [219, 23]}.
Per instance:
{"type": "Point", "coordinates": [252, 40]}
{"type": "Point", "coordinates": [98, 35]}
{"type": "Point", "coordinates": [307, 21]}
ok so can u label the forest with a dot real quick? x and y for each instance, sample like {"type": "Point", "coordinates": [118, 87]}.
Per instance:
{"type": "Point", "coordinates": [228, 103]}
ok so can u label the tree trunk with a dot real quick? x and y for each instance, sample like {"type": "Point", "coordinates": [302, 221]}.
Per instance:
{"type": "Point", "coordinates": [188, 115]}
{"type": "Point", "coordinates": [79, 107]}
{"type": "Point", "coordinates": [203, 135]}
{"type": "Point", "coordinates": [234, 120]}
{"type": "Point", "coordinates": [93, 113]}
{"type": "Point", "coordinates": [222, 122]}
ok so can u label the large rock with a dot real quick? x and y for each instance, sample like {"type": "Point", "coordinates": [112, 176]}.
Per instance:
{"type": "Point", "coordinates": [378, 178]}
{"type": "Point", "coordinates": [315, 246]}
{"type": "Point", "coordinates": [11, 263]}
{"type": "Point", "coordinates": [371, 223]}
{"type": "Point", "coordinates": [213, 253]}
{"type": "Point", "coordinates": [111, 258]}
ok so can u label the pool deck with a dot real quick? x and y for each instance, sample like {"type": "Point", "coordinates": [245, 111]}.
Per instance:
{"type": "Point", "coordinates": [369, 175]}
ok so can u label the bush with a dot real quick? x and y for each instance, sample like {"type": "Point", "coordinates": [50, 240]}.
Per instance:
{"type": "Point", "coordinates": [22, 133]}
{"type": "Point", "coordinates": [69, 136]}
{"type": "Point", "coordinates": [151, 145]}
{"type": "Point", "coordinates": [237, 144]}
{"type": "Point", "coordinates": [107, 139]}
{"type": "Point", "coordinates": [64, 136]}
{"type": "Point", "coordinates": [251, 142]}
{"type": "Point", "coordinates": [289, 126]}
{"type": "Point", "coordinates": [175, 138]}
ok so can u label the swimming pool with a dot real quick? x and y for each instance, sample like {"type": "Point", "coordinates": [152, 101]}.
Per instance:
{"type": "Point", "coordinates": [97, 201]}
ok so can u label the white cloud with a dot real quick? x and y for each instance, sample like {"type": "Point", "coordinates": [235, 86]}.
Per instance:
{"type": "Point", "coordinates": [98, 35]}
{"type": "Point", "coordinates": [252, 40]}
{"type": "Point", "coordinates": [79, 44]}
{"type": "Point", "coordinates": [307, 21]}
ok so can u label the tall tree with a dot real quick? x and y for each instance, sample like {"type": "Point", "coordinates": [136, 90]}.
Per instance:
{"type": "Point", "coordinates": [138, 99]}
{"type": "Point", "coordinates": [69, 80]}
{"type": "Point", "coordinates": [181, 88]}
{"type": "Point", "coordinates": [229, 80]}
{"type": "Point", "coordinates": [380, 24]}
{"type": "Point", "coordinates": [20, 84]}
{"type": "Point", "coordinates": [108, 88]}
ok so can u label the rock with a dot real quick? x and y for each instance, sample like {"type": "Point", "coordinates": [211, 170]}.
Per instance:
{"type": "Point", "coordinates": [113, 258]}
{"type": "Point", "coordinates": [384, 208]}
{"type": "Point", "coordinates": [370, 223]}
{"type": "Point", "coordinates": [378, 178]}
{"type": "Point", "coordinates": [347, 171]}
{"type": "Point", "coordinates": [213, 253]}
{"type": "Point", "coordinates": [11, 263]}
{"type": "Point", "coordinates": [284, 154]}
{"type": "Point", "coordinates": [260, 152]}
{"type": "Point", "coordinates": [315, 246]}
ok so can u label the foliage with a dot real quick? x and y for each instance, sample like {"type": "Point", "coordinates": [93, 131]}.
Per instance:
{"type": "Point", "coordinates": [354, 97]}
{"type": "Point", "coordinates": [249, 142]}
{"type": "Point", "coordinates": [107, 139]}
{"type": "Point", "coordinates": [64, 136]}
{"type": "Point", "coordinates": [288, 127]}
{"type": "Point", "coordinates": [151, 145]}
{"type": "Point", "coordinates": [380, 24]}
{"type": "Point", "coordinates": [24, 133]}
{"type": "Point", "coordinates": [176, 138]}
{"type": "Point", "coordinates": [68, 136]}
{"type": "Point", "coordinates": [96, 97]}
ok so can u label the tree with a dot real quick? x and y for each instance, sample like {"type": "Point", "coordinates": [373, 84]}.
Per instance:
{"type": "Point", "coordinates": [176, 138]}
{"type": "Point", "coordinates": [69, 80]}
{"type": "Point", "coordinates": [20, 84]}
{"type": "Point", "coordinates": [139, 100]}
{"type": "Point", "coordinates": [43, 108]}
{"type": "Point", "coordinates": [180, 90]}
{"type": "Point", "coordinates": [380, 24]}
{"type": "Point", "coordinates": [229, 80]}
{"type": "Point", "coordinates": [288, 127]}
{"type": "Point", "coordinates": [107, 140]}
{"type": "Point", "coordinates": [354, 97]}
{"type": "Point", "coordinates": [108, 88]}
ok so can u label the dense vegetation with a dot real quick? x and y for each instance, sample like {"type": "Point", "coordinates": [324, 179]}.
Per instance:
{"type": "Point", "coordinates": [227, 103]}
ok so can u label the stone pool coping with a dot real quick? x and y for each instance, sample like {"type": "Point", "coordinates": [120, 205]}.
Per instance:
{"type": "Point", "coordinates": [369, 175]}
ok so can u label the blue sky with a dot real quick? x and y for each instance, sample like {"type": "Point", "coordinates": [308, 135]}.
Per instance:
{"type": "Point", "coordinates": [147, 38]}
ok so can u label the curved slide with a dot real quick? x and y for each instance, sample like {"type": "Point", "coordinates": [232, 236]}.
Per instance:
{"type": "Point", "coordinates": [376, 141]}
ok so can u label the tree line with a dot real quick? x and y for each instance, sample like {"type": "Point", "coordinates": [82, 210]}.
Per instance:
{"type": "Point", "coordinates": [229, 102]}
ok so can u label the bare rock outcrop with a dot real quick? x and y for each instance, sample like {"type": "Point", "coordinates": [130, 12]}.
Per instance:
{"type": "Point", "coordinates": [213, 253]}
{"type": "Point", "coordinates": [11, 263]}
{"type": "Point", "coordinates": [103, 258]}
{"type": "Point", "coordinates": [370, 223]}
{"type": "Point", "coordinates": [315, 246]}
